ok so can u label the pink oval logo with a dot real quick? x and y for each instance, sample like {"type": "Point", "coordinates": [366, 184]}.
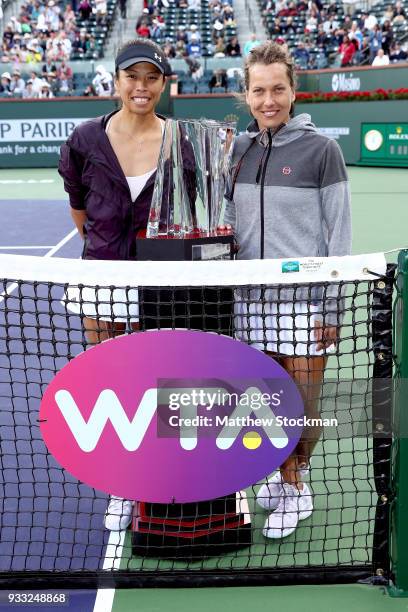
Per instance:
{"type": "Point", "coordinates": [171, 416]}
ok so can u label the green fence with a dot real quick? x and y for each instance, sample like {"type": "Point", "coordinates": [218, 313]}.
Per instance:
{"type": "Point", "coordinates": [358, 79]}
{"type": "Point", "coordinates": [31, 132]}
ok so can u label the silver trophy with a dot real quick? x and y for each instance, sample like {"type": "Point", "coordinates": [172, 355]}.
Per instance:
{"type": "Point", "coordinates": [189, 189]}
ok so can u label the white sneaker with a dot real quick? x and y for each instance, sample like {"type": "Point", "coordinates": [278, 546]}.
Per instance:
{"type": "Point", "coordinates": [294, 506]}
{"type": "Point", "coordinates": [270, 493]}
{"type": "Point", "coordinates": [118, 515]}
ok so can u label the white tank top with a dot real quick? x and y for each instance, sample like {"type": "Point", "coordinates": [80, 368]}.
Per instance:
{"type": "Point", "coordinates": [137, 183]}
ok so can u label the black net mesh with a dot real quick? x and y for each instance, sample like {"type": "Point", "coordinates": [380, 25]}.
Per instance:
{"type": "Point", "coordinates": [51, 523]}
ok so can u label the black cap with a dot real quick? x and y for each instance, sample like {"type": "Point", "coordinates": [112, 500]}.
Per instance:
{"type": "Point", "coordinates": [142, 52]}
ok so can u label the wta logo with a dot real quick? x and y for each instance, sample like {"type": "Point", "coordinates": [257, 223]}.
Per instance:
{"type": "Point", "coordinates": [144, 416]}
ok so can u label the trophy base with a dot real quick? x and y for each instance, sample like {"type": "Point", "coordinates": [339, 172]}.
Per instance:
{"type": "Point", "coordinates": [193, 247]}
{"type": "Point", "coordinates": [191, 530]}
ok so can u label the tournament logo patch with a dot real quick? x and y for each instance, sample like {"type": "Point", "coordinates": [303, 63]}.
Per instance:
{"type": "Point", "coordinates": [286, 170]}
{"type": "Point", "coordinates": [171, 416]}
{"type": "Point", "coordinates": [290, 266]}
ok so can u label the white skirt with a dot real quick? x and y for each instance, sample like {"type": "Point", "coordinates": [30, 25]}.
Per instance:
{"type": "Point", "coordinates": [285, 328]}
{"type": "Point", "coordinates": [115, 306]}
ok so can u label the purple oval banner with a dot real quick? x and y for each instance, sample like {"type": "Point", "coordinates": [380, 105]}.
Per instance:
{"type": "Point", "coordinates": [171, 416]}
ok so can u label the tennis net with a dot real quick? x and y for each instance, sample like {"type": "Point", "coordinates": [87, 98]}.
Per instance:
{"type": "Point", "coordinates": [52, 311]}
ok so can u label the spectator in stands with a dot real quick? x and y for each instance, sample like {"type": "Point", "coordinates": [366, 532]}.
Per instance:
{"type": "Point", "coordinates": [381, 59]}
{"type": "Point", "coordinates": [63, 84]}
{"type": "Point", "coordinates": [69, 16]}
{"type": "Point", "coordinates": [375, 41]}
{"type": "Point", "coordinates": [251, 43]}
{"type": "Point", "coordinates": [276, 28]}
{"type": "Point", "coordinates": [301, 55]}
{"type": "Point", "coordinates": [5, 85]}
{"type": "Point", "coordinates": [144, 19]}
{"type": "Point", "coordinates": [90, 91]}
{"type": "Point", "coordinates": [28, 91]}
{"type": "Point", "coordinates": [194, 47]}
{"type": "Point", "coordinates": [65, 69]}
{"type": "Point", "coordinates": [52, 19]}
{"type": "Point", "coordinates": [101, 8]}
{"type": "Point", "coordinates": [356, 34]}
{"type": "Point", "coordinates": [219, 48]}
{"type": "Point", "coordinates": [387, 37]}
{"type": "Point", "coordinates": [289, 27]}
{"type": "Point", "coordinates": [399, 13]}
{"type": "Point", "coordinates": [33, 54]}
{"type": "Point", "coordinates": [80, 43]}
{"type": "Point", "coordinates": [156, 30]}
{"type": "Point", "coordinates": [143, 30]}
{"type": "Point", "coordinates": [169, 50]}
{"type": "Point", "coordinates": [182, 34]}
{"type": "Point", "coordinates": [363, 54]}
{"type": "Point", "coordinates": [218, 30]}
{"type": "Point", "coordinates": [331, 24]}
{"type": "Point", "coordinates": [45, 91]}
{"type": "Point", "coordinates": [53, 82]}
{"type": "Point", "coordinates": [218, 79]}
{"type": "Point", "coordinates": [193, 33]}
{"type": "Point", "coordinates": [370, 21]}
{"type": "Point", "coordinates": [85, 9]}
{"type": "Point", "coordinates": [123, 8]}
{"type": "Point", "coordinates": [347, 51]}
{"type": "Point", "coordinates": [388, 14]}
{"type": "Point", "coordinates": [8, 35]}
{"type": "Point", "coordinates": [321, 38]}
{"type": "Point", "coordinates": [332, 9]}
{"type": "Point", "coordinates": [36, 82]}
{"type": "Point", "coordinates": [17, 84]}
{"type": "Point", "coordinates": [233, 48]}
{"type": "Point", "coordinates": [397, 53]}
{"type": "Point", "coordinates": [181, 49]}
{"type": "Point", "coordinates": [195, 70]}
{"type": "Point", "coordinates": [194, 5]}
{"type": "Point", "coordinates": [311, 21]}
{"type": "Point", "coordinates": [103, 81]}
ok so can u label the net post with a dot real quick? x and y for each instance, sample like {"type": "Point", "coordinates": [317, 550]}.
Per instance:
{"type": "Point", "coordinates": [399, 505]}
{"type": "Point", "coordinates": [381, 315]}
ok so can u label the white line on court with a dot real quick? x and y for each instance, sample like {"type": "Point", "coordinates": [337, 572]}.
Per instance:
{"type": "Point", "coordinates": [26, 181]}
{"type": "Point", "coordinates": [114, 549]}
{"type": "Point", "coordinates": [49, 253]}
{"type": "Point", "coordinates": [22, 248]}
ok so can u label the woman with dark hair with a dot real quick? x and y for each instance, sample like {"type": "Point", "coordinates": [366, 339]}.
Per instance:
{"type": "Point", "coordinates": [288, 197]}
{"type": "Point", "coordinates": [109, 166]}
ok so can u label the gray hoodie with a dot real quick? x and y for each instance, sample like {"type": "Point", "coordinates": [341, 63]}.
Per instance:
{"type": "Point", "coordinates": [288, 196]}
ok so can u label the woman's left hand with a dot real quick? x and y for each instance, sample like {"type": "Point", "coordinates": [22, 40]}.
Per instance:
{"type": "Point", "coordinates": [325, 336]}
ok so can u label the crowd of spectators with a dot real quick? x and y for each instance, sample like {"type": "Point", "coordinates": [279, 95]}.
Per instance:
{"type": "Point", "coordinates": [178, 25]}
{"type": "Point", "coordinates": [45, 35]}
{"type": "Point", "coordinates": [57, 82]}
{"type": "Point", "coordinates": [320, 34]}
{"type": "Point", "coordinates": [51, 31]}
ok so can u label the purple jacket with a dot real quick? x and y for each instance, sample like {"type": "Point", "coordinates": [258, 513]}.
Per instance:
{"type": "Point", "coordinates": [95, 182]}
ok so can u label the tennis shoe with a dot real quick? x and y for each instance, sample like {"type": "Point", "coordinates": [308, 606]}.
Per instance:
{"type": "Point", "coordinates": [269, 494]}
{"type": "Point", "coordinates": [118, 515]}
{"type": "Point", "coordinates": [293, 506]}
